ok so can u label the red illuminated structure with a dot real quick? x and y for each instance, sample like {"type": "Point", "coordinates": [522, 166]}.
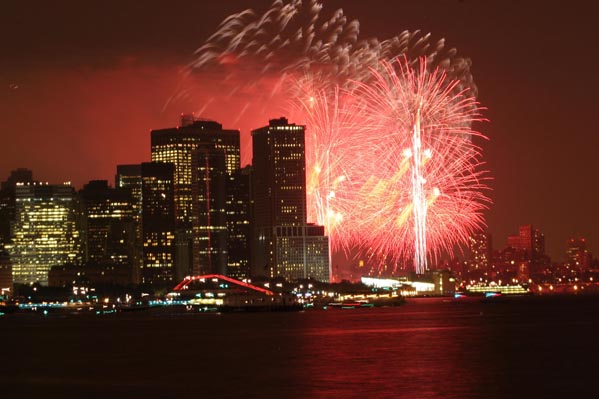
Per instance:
{"type": "Point", "coordinates": [183, 285]}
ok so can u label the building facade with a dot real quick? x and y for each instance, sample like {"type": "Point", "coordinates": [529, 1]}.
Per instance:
{"type": "Point", "coordinates": [202, 243]}
{"type": "Point", "coordinates": [178, 146]}
{"type": "Point", "coordinates": [238, 209]}
{"type": "Point", "coordinates": [210, 235]}
{"type": "Point", "coordinates": [158, 223]}
{"type": "Point", "coordinates": [109, 226]}
{"type": "Point", "coordinates": [6, 286]}
{"type": "Point", "coordinates": [128, 177]}
{"type": "Point", "coordinates": [283, 243]}
{"type": "Point", "coordinates": [45, 231]}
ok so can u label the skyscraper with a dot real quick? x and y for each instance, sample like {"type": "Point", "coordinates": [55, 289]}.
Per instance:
{"type": "Point", "coordinates": [44, 233]}
{"type": "Point", "coordinates": [209, 179]}
{"type": "Point", "coordinates": [177, 146]}
{"type": "Point", "coordinates": [129, 177]}
{"type": "Point", "coordinates": [238, 224]}
{"type": "Point", "coordinates": [158, 220]}
{"type": "Point", "coordinates": [283, 242]}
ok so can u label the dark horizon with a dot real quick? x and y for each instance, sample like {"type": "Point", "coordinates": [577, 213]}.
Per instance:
{"type": "Point", "coordinates": [87, 82]}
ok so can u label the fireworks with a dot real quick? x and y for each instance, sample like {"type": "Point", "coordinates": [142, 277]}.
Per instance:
{"type": "Point", "coordinates": [391, 165]}
{"type": "Point", "coordinates": [424, 190]}
{"type": "Point", "coordinates": [247, 70]}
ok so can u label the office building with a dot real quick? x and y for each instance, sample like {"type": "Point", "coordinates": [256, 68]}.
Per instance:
{"type": "Point", "coordinates": [209, 177]}
{"type": "Point", "coordinates": [108, 232]}
{"type": "Point", "coordinates": [283, 243]}
{"type": "Point", "coordinates": [44, 233]}
{"type": "Point", "coordinates": [158, 223]}
{"type": "Point", "coordinates": [238, 209]}
{"type": "Point", "coordinates": [128, 177]}
{"type": "Point", "coordinates": [177, 146]}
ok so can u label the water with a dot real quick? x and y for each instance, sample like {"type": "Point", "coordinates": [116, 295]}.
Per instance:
{"type": "Point", "coordinates": [429, 348]}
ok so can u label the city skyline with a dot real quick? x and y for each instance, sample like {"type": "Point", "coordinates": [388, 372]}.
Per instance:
{"type": "Point", "coordinates": [540, 146]}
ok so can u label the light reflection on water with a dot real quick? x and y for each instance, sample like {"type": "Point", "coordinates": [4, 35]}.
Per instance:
{"type": "Point", "coordinates": [430, 348]}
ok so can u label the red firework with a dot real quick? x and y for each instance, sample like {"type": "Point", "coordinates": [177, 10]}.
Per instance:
{"type": "Point", "coordinates": [359, 110]}
{"type": "Point", "coordinates": [360, 183]}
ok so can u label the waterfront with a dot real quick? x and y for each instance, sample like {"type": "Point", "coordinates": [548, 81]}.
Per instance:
{"type": "Point", "coordinates": [429, 348]}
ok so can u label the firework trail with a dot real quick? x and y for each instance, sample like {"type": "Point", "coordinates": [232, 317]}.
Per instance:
{"type": "Point", "coordinates": [254, 60]}
{"type": "Point", "coordinates": [294, 60]}
{"type": "Point", "coordinates": [425, 191]}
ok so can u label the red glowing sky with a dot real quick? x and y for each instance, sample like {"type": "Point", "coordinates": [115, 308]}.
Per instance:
{"type": "Point", "coordinates": [82, 84]}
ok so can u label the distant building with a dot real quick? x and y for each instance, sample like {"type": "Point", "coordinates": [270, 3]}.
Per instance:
{"type": "Point", "coordinates": [527, 251]}
{"type": "Point", "coordinates": [158, 223]}
{"type": "Point", "coordinates": [7, 201]}
{"type": "Point", "coordinates": [238, 224]}
{"type": "Point", "coordinates": [301, 252]}
{"type": "Point", "coordinates": [530, 241]}
{"type": "Point", "coordinates": [178, 146]}
{"type": "Point", "coordinates": [283, 243]}
{"type": "Point", "coordinates": [44, 233]}
{"type": "Point", "coordinates": [444, 282]}
{"type": "Point", "coordinates": [20, 175]}
{"type": "Point", "coordinates": [578, 257]}
{"type": "Point", "coordinates": [89, 275]}
{"type": "Point", "coordinates": [481, 251]}
{"type": "Point", "coordinates": [6, 286]}
{"type": "Point", "coordinates": [128, 177]}
{"type": "Point", "coordinates": [209, 178]}
{"type": "Point", "coordinates": [109, 224]}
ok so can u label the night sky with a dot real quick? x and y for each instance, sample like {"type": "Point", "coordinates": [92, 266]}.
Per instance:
{"type": "Point", "coordinates": [83, 83]}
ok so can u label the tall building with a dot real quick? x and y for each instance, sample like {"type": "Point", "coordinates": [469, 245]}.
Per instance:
{"type": "Point", "coordinates": [45, 232]}
{"type": "Point", "coordinates": [177, 146]}
{"type": "Point", "coordinates": [128, 177]}
{"type": "Point", "coordinates": [283, 242]}
{"type": "Point", "coordinates": [108, 232]}
{"type": "Point", "coordinates": [209, 178]}
{"type": "Point", "coordinates": [238, 224]}
{"type": "Point", "coordinates": [480, 252]}
{"type": "Point", "coordinates": [158, 223]}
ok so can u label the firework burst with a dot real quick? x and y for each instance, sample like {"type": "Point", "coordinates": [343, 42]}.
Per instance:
{"type": "Point", "coordinates": [371, 181]}
{"type": "Point", "coordinates": [422, 184]}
